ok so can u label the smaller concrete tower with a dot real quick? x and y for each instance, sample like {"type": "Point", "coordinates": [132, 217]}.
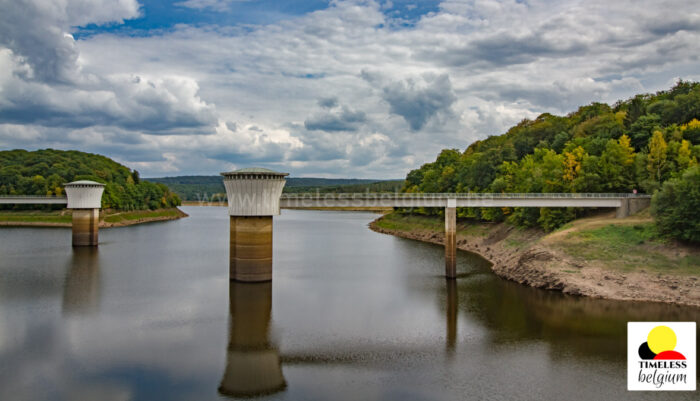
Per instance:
{"type": "Point", "coordinates": [253, 198]}
{"type": "Point", "coordinates": [85, 199]}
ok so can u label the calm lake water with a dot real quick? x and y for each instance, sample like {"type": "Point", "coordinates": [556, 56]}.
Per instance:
{"type": "Point", "coordinates": [350, 315]}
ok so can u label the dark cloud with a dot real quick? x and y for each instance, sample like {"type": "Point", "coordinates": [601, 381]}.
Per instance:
{"type": "Point", "coordinates": [672, 25]}
{"type": "Point", "coordinates": [270, 153]}
{"type": "Point", "coordinates": [338, 119]}
{"type": "Point", "coordinates": [328, 102]}
{"type": "Point", "coordinates": [504, 49]}
{"type": "Point", "coordinates": [418, 102]}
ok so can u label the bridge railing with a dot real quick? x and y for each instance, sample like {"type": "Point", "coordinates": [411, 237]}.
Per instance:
{"type": "Point", "coordinates": [32, 199]}
{"type": "Point", "coordinates": [471, 195]}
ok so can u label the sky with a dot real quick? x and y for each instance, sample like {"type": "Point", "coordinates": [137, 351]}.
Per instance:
{"type": "Point", "coordinates": [366, 89]}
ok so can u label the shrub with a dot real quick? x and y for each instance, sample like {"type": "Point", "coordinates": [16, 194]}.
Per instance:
{"type": "Point", "coordinates": [676, 206]}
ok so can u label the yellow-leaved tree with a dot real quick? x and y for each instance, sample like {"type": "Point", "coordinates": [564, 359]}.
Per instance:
{"type": "Point", "coordinates": [656, 160]}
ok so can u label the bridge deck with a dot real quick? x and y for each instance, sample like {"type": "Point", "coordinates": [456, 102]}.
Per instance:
{"type": "Point", "coordinates": [29, 200]}
{"type": "Point", "coordinates": [414, 200]}
{"type": "Point", "coordinates": [456, 200]}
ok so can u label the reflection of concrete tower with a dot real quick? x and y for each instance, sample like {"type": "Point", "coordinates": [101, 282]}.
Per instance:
{"type": "Point", "coordinates": [451, 310]}
{"type": "Point", "coordinates": [81, 292]}
{"type": "Point", "coordinates": [252, 363]}
{"type": "Point", "coordinates": [85, 198]}
{"type": "Point", "coordinates": [253, 198]}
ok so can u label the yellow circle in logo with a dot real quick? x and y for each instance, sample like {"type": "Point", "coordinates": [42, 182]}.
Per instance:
{"type": "Point", "coordinates": [660, 339]}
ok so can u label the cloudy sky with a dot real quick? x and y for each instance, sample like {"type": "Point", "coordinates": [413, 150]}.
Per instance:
{"type": "Point", "coordinates": [319, 88]}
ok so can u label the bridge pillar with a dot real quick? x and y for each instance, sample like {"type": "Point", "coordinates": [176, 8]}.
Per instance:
{"type": "Point", "coordinates": [85, 200]}
{"type": "Point", "coordinates": [451, 239]}
{"type": "Point", "coordinates": [623, 210]}
{"type": "Point", "coordinates": [253, 198]}
{"type": "Point", "coordinates": [629, 206]}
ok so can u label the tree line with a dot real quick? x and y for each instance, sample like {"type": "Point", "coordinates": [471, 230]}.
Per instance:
{"type": "Point", "coordinates": [638, 144]}
{"type": "Point", "coordinates": [44, 172]}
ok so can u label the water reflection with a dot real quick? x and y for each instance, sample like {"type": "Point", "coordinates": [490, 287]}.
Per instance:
{"type": "Point", "coordinates": [363, 316]}
{"type": "Point", "coordinates": [253, 365]}
{"type": "Point", "coordinates": [569, 324]}
{"type": "Point", "coordinates": [81, 290]}
{"type": "Point", "coordinates": [451, 313]}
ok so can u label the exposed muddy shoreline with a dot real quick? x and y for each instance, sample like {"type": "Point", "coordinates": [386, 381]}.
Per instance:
{"type": "Point", "coordinates": [530, 257]}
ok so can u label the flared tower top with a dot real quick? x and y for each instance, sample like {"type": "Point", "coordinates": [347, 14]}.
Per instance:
{"type": "Point", "coordinates": [84, 183]}
{"type": "Point", "coordinates": [254, 191]}
{"type": "Point", "coordinates": [253, 172]}
{"type": "Point", "coordinates": [84, 194]}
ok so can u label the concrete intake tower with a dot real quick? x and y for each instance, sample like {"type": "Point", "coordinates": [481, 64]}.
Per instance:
{"type": "Point", "coordinates": [253, 198]}
{"type": "Point", "coordinates": [85, 199]}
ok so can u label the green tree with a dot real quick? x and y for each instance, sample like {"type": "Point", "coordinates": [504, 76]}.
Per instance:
{"type": "Point", "coordinates": [656, 159]}
{"type": "Point", "coordinates": [676, 206]}
{"type": "Point", "coordinates": [642, 129]}
{"type": "Point", "coordinates": [616, 166]}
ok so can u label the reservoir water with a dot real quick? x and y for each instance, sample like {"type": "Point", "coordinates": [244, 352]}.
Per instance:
{"type": "Point", "coordinates": [350, 315]}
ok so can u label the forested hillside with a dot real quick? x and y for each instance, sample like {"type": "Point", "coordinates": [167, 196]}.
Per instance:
{"type": "Point", "coordinates": [207, 187]}
{"type": "Point", "coordinates": [43, 172]}
{"type": "Point", "coordinates": [638, 143]}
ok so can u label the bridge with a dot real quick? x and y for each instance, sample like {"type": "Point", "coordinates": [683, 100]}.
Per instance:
{"type": "Point", "coordinates": [33, 200]}
{"type": "Point", "coordinates": [254, 196]}
{"type": "Point", "coordinates": [475, 199]}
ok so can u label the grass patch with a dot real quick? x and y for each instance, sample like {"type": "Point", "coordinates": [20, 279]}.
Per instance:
{"type": "Point", "coordinates": [629, 247]}
{"type": "Point", "coordinates": [514, 242]}
{"type": "Point", "coordinates": [35, 216]}
{"type": "Point", "coordinates": [140, 214]}
{"type": "Point", "coordinates": [411, 222]}
{"type": "Point", "coordinates": [64, 216]}
{"type": "Point", "coordinates": [623, 235]}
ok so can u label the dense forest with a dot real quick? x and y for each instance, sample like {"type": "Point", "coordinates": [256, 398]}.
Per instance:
{"type": "Point", "coordinates": [211, 187]}
{"type": "Point", "coordinates": [635, 144]}
{"type": "Point", "coordinates": [43, 172]}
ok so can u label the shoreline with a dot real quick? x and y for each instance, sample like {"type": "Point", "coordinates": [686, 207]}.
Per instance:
{"type": "Point", "coordinates": [538, 259]}
{"type": "Point", "coordinates": [119, 219]}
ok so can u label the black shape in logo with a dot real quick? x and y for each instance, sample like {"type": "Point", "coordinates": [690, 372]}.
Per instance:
{"type": "Point", "coordinates": [645, 352]}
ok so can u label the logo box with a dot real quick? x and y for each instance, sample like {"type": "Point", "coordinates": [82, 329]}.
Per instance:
{"type": "Point", "coordinates": [661, 356]}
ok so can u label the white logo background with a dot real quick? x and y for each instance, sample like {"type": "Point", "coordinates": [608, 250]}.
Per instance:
{"type": "Point", "coordinates": [637, 333]}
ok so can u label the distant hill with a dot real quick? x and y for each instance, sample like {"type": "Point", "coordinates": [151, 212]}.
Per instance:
{"type": "Point", "coordinates": [43, 173]}
{"type": "Point", "coordinates": [199, 187]}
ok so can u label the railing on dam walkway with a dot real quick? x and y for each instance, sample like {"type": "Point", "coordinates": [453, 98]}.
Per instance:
{"type": "Point", "coordinates": [451, 195]}
{"type": "Point", "coordinates": [457, 199]}
{"type": "Point", "coordinates": [473, 199]}
{"type": "Point", "coordinates": [33, 200]}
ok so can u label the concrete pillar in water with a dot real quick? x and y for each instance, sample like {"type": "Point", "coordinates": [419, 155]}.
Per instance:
{"type": "Point", "coordinates": [85, 227]}
{"type": "Point", "coordinates": [253, 198]}
{"type": "Point", "coordinates": [451, 239]}
{"type": "Point", "coordinates": [85, 199]}
{"type": "Point", "coordinates": [253, 366]}
{"type": "Point", "coordinates": [251, 248]}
